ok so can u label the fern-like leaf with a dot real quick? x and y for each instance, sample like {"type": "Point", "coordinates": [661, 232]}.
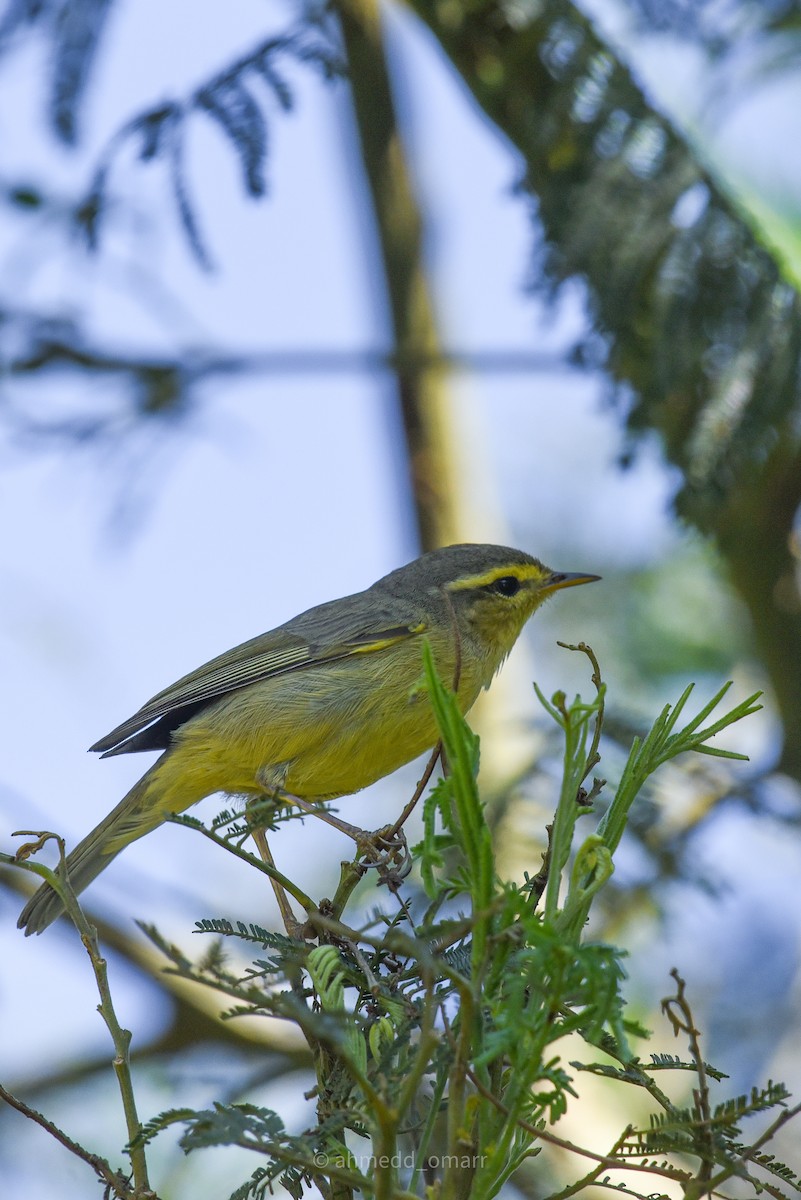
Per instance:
{"type": "Point", "coordinates": [181, 195]}
{"type": "Point", "coordinates": [77, 26]}
{"type": "Point", "coordinates": [230, 103]}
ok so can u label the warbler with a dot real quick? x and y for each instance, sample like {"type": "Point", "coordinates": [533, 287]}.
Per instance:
{"type": "Point", "coordinates": [323, 705]}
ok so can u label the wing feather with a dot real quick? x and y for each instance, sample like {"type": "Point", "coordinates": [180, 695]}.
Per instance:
{"type": "Point", "coordinates": [254, 661]}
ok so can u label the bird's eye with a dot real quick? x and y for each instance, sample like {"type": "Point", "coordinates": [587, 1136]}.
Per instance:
{"type": "Point", "coordinates": [507, 585]}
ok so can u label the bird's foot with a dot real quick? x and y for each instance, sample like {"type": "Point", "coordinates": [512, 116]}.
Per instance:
{"type": "Point", "coordinates": [382, 847]}
{"type": "Point", "coordinates": [386, 849]}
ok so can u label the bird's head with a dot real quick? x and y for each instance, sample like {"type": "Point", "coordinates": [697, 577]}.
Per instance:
{"type": "Point", "coordinates": [494, 593]}
{"type": "Point", "coordinates": [493, 590]}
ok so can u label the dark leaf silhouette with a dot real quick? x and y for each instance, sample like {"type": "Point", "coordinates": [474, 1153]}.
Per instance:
{"type": "Point", "coordinates": [231, 104]}
{"type": "Point", "coordinates": [77, 28]}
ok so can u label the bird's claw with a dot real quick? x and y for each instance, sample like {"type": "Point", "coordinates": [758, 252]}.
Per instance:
{"type": "Point", "coordinates": [387, 850]}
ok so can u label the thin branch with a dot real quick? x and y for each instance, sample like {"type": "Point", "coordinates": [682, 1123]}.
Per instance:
{"type": "Point", "coordinates": [545, 1135]}
{"type": "Point", "coordinates": [272, 872]}
{"type": "Point", "coordinates": [788, 1115]}
{"type": "Point", "coordinates": [418, 791]}
{"type": "Point", "coordinates": [60, 882]}
{"type": "Point", "coordinates": [574, 1189]}
{"type": "Point", "coordinates": [678, 1012]}
{"type": "Point", "coordinates": [102, 1168]}
{"type": "Point", "coordinates": [593, 757]}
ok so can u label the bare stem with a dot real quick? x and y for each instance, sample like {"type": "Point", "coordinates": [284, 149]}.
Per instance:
{"type": "Point", "coordinates": [113, 1179]}
{"type": "Point", "coordinates": [593, 757]}
{"type": "Point", "coordinates": [418, 791]}
{"type": "Point", "coordinates": [677, 1010]}
{"type": "Point", "coordinates": [121, 1038]}
{"type": "Point", "coordinates": [295, 892]}
{"type": "Point", "coordinates": [604, 1160]}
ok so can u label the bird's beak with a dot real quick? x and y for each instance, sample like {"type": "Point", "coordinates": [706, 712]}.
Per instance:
{"type": "Point", "coordinates": [559, 579]}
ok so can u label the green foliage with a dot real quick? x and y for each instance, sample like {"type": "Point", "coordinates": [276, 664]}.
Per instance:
{"type": "Point", "coordinates": [223, 1125]}
{"type": "Point", "coordinates": [436, 1031]}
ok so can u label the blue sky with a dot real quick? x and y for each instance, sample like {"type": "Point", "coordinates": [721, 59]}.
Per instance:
{"type": "Point", "coordinates": [281, 492]}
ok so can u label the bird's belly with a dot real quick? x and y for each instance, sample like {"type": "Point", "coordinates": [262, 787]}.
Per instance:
{"type": "Point", "coordinates": [317, 733]}
{"type": "Point", "coordinates": [350, 755]}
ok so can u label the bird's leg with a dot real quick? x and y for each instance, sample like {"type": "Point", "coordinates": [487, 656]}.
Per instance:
{"type": "Point", "coordinates": [314, 810]}
{"type": "Point", "coordinates": [291, 924]}
{"type": "Point", "coordinates": [382, 847]}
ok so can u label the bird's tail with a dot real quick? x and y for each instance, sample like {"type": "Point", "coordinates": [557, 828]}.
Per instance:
{"type": "Point", "coordinates": [135, 815]}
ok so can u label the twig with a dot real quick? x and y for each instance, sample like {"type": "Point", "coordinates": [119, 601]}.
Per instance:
{"type": "Point", "coordinates": [418, 791]}
{"type": "Point", "coordinates": [593, 757]}
{"type": "Point", "coordinates": [101, 1166]}
{"type": "Point", "coordinates": [59, 881]}
{"type": "Point", "coordinates": [538, 884]}
{"type": "Point", "coordinates": [295, 892]}
{"type": "Point", "coordinates": [592, 1177]}
{"type": "Point", "coordinates": [748, 1154]}
{"type": "Point", "coordinates": [678, 1012]}
{"type": "Point", "coordinates": [545, 1135]}
{"type": "Point", "coordinates": [372, 983]}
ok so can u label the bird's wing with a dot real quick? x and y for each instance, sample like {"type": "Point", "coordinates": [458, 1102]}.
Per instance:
{"type": "Point", "coordinates": [270, 654]}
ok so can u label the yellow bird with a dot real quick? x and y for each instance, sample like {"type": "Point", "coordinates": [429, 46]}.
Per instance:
{"type": "Point", "coordinates": [323, 705]}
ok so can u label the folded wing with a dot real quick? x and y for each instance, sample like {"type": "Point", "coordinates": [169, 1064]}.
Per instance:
{"type": "Point", "coordinates": [261, 658]}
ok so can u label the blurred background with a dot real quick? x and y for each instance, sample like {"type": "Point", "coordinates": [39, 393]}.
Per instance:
{"type": "Point", "coordinates": [291, 292]}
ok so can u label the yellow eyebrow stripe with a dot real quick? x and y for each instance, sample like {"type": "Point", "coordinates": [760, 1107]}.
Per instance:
{"type": "Point", "coordinates": [521, 571]}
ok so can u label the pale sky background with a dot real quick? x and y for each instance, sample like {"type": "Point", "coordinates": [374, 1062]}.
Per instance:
{"type": "Point", "coordinates": [280, 493]}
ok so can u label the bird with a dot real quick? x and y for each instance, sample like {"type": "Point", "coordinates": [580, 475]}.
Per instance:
{"type": "Point", "coordinates": [323, 705]}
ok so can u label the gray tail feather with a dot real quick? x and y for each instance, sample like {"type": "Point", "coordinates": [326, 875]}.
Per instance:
{"type": "Point", "coordinates": [90, 857]}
